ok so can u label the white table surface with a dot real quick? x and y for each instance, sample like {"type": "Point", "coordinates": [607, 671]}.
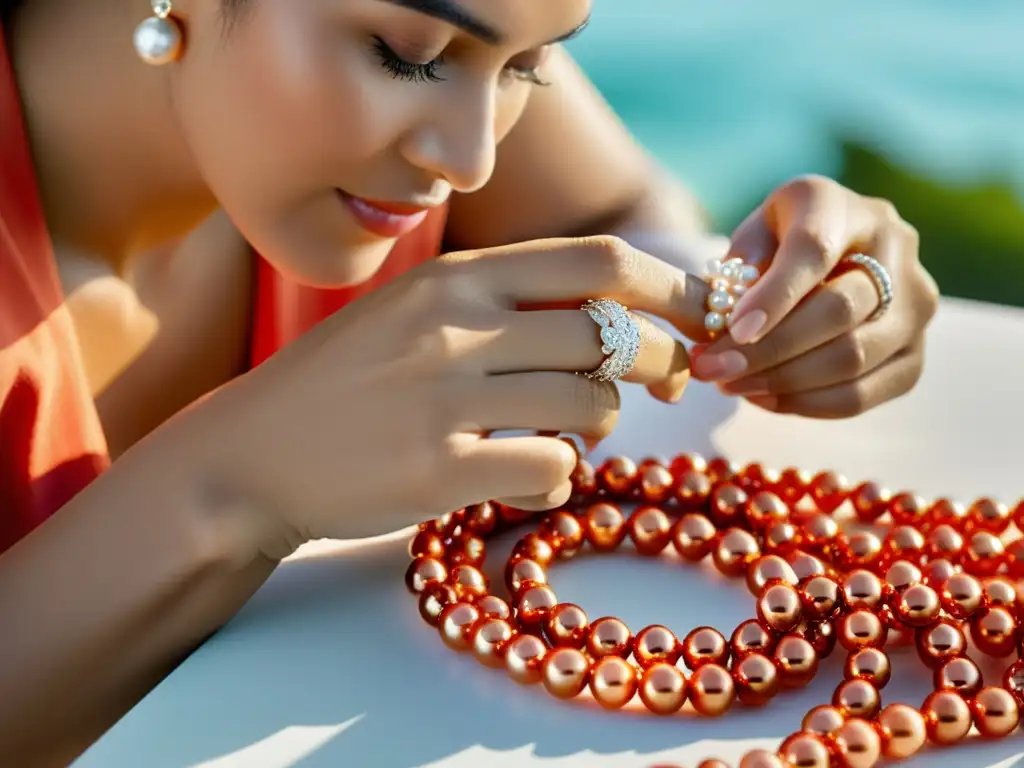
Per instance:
{"type": "Point", "coordinates": [330, 664]}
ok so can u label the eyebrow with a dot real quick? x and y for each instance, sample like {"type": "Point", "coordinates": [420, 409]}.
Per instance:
{"type": "Point", "coordinates": [450, 13]}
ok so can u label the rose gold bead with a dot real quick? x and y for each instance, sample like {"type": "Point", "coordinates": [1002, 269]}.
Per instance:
{"type": "Point", "coordinates": [823, 721]}
{"type": "Point", "coordinates": [962, 596]}
{"type": "Point", "coordinates": [618, 476]}
{"type": "Point", "coordinates": [655, 644]}
{"type": "Point", "coordinates": [693, 490]}
{"type": "Point", "coordinates": [584, 481]}
{"type": "Point", "coordinates": [466, 549]}
{"type": "Point", "coordinates": [655, 484]}
{"type": "Point", "coordinates": [663, 688]}
{"type": "Point", "coordinates": [917, 606]}
{"type": "Point", "coordinates": [858, 744]}
{"type": "Point", "coordinates": [604, 526]}
{"type": "Point", "coordinates": [534, 547]}
{"type": "Point", "coordinates": [764, 509]}
{"type": "Point", "coordinates": [805, 750]}
{"type": "Point", "coordinates": [779, 608]}
{"type": "Point", "coordinates": [861, 589]}
{"type": "Point", "coordinates": [565, 672]}
{"type": "Point", "coordinates": [566, 626]}
{"type": "Point", "coordinates": [1001, 592]}
{"type": "Point", "coordinates": [756, 679]}
{"type": "Point", "coordinates": [427, 544]}
{"type": "Point", "coordinates": [761, 758]}
{"type": "Point", "coordinates": [493, 607]}
{"type": "Point", "coordinates": [609, 637]}
{"type": "Point", "coordinates": [860, 629]}
{"type": "Point", "coordinates": [782, 538]}
{"type": "Point", "coordinates": [994, 632]}
{"type": "Point", "coordinates": [712, 690]}
{"type": "Point", "coordinates": [434, 600]}
{"type": "Point", "coordinates": [481, 519]}
{"type": "Point", "coordinates": [988, 515]}
{"type": "Point", "coordinates": [995, 712]}
{"type": "Point", "coordinates": [907, 509]}
{"type": "Point", "coordinates": [861, 550]}
{"type": "Point", "coordinates": [796, 660]}
{"type": "Point", "coordinates": [947, 717]}
{"type": "Point", "coordinates": [961, 675]}
{"type": "Point", "coordinates": [649, 529]}
{"type": "Point", "coordinates": [520, 574]}
{"type": "Point", "coordinates": [613, 682]}
{"type": "Point", "coordinates": [767, 569]}
{"type": "Point", "coordinates": [905, 542]}
{"type": "Point", "coordinates": [564, 532]}
{"type": "Point", "coordinates": [870, 664]}
{"type": "Point", "coordinates": [805, 565]}
{"type": "Point", "coordinates": [455, 623]}
{"type": "Point", "coordinates": [983, 555]}
{"type": "Point", "coordinates": [727, 507]}
{"type": "Point", "coordinates": [704, 645]}
{"type": "Point", "coordinates": [829, 490]}
{"type": "Point", "coordinates": [937, 572]}
{"type": "Point", "coordinates": [903, 731]}
{"type": "Point", "coordinates": [693, 536]}
{"type": "Point", "coordinates": [735, 551]}
{"type": "Point", "coordinates": [820, 596]}
{"type": "Point", "coordinates": [751, 637]}
{"type": "Point", "coordinates": [944, 541]}
{"type": "Point", "coordinates": [535, 604]}
{"type": "Point", "coordinates": [857, 698]}
{"type": "Point", "coordinates": [819, 529]}
{"type": "Point", "coordinates": [524, 656]}
{"type": "Point", "coordinates": [489, 641]}
{"type": "Point", "coordinates": [425, 572]}
{"type": "Point", "coordinates": [902, 575]}
{"type": "Point", "coordinates": [469, 582]}
{"type": "Point", "coordinates": [939, 643]}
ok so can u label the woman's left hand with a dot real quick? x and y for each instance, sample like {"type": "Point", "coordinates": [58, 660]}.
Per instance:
{"type": "Point", "coordinates": [800, 340]}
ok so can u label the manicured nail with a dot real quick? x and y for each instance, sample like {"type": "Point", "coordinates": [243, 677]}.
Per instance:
{"type": "Point", "coordinates": [725, 365]}
{"type": "Point", "coordinates": [746, 387]}
{"type": "Point", "coordinates": [745, 330]}
{"type": "Point", "coordinates": [768, 402]}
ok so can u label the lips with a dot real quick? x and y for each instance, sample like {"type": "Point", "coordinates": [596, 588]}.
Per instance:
{"type": "Point", "coordinates": [384, 219]}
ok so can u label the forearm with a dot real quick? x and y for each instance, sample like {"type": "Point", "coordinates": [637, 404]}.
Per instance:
{"type": "Point", "coordinates": [100, 602]}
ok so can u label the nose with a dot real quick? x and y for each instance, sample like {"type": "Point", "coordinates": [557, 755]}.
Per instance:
{"type": "Point", "coordinates": [456, 141]}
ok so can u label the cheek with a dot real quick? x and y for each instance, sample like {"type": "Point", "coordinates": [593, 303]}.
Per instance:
{"type": "Point", "coordinates": [509, 109]}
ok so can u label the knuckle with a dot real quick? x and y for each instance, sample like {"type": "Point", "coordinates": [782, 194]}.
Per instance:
{"type": "Point", "coordinates": [842, 308]}
{"type": "Point", "coordinates": [617, 260]}
{"type": "Point", "coordinates": [815, 247]}
{"type": "Point", "coordinates": [930, 296]}
{"type": "Point", "coordinates": [886, 211]}
{"type": "Point", "coordinates": [852, 355]}
{"type": "Point", "coordinates": [801, 188]}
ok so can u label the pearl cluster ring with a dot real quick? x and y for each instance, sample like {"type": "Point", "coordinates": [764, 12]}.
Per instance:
{"type": "Point", "coordinates": [729, 280]}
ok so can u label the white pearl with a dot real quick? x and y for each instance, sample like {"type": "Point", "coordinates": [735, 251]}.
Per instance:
{"type": "Point", "coordinates": [714, 321]}
{"type": "Point", "coordinates": [732, 270]}
{"type": "Point", "coordinates": [713, 269]}
{"type": "Point", "coordinates": [720, 301]}
{"type": "Point", "coordinates": [157, 41]}
{"type": "Point", "coordinates": [738, 290]}
{"type": "Point", "coordinates": [749, 273]}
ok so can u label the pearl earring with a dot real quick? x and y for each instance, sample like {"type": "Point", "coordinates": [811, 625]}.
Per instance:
{"type": "Point", "coordinates": [158, 39]}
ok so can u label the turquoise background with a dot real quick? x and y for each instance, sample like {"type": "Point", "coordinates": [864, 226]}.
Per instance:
{"type": "Point", "coordinates": [918, 101]}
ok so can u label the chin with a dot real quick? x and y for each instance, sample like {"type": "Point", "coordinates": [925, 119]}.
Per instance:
{"type": "Point", "coordinates": [337, 269]}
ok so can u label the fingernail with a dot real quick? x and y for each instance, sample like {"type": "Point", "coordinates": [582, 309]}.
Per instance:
{"type": "Point", "coordinates": [746, 387]}
{"type": "Point", "coordinates": [745, 330]}
{"type": "Point", "coordinates": [725, 365]}
{"type": "Point", "coordinates": [768, 402]}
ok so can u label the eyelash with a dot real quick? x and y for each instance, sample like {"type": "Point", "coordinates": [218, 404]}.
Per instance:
{"type": "Point", "coordinates": [400, 69]}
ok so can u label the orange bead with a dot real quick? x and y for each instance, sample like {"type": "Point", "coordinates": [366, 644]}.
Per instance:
{"type": "Point", "coordinates": [961, 675]}
{"type": "Point", "coordinates": [756, 679]}
{"type": "Point", "coordinates": [857, 698]}
{"type": "Point", "coordinates": [946, 512]}
{"type": "Point", "coordinates": [793, 485]}
{"type": "Point", "coordinates": [694, 536]}
{"type": "Point", "coordinates": [535, 604]}
{"type": "Point", "coordinates": [908, 509]}
{"type": "Point", "coordinates": [455, 623]}
{"type": "Point", "coordinates": [761, 758]}
{"type": "Point", "coordinates": [721, 470]}
{"type": "Point", "coordinates": [687, 462]}
{"type": "Point", "coordinates": [427, 544]}
{"type": "Point", "coordinates": [735, 551]}
{"type": "Point", "coordinates": [469, 582]}
{"type": "Point", "coordinates": [649, 529]}
{"type": "Point", "coordinates": [728, 505]}
{"type": "Point", "coordinates": [947, 718]}
{"type": "Point", "coordinates": [917, 606]}
{"type": "Point", "coordinates": [564, 532]}
{"type": "Point", "coordinates": [870, 664]}
{"type": "Point", "coordinates": [902, 575]}
{"type": "Point", "coordinates": [779, 608]}
{"type": "Point", "coordinates": [704, 645]}
{"type": "Point", "coordinates": [944, 541]}
{"type": "Point", "coordinates": [858, 744]}
{"type": "Point", "coordinates": [962, 596]}
{"type": "Point", "coordinates": [764, 509]}
{"type": "Point", "coordinates": [481, 519]}
{"type": "Point", "coordinates": [823, 720]}
{"type": "Point", "coordinates": [820, 597]}
{"type": "Point", "coordinates": [767, 569]}
{"type": "Point", "coordinates": [613, 682]}
{"type": "Point", "coordinates": [995, 712]}
{"type": "Point", "coordinates": [821, 635]}
{"type": "Point", "coordinates": [936, 572]}
{"type": "Point", "coordinates": [712, 690]}
{"type": "Point", "coordinates": [755, 478]}
{"type": "Point", "coordinates": [1013, 681]}
{"type": "Point", "coordinates": [870, 501]}
{"type": "Point", "coordinates": [829, 490]}
{"type": "Point", "coordinates": [655, 483]}
{"type": "Point", "coordinates": [1001, 592]}
{"type": "Point", "coordinates": [797, 661]}
{"type": "Point", "coordinates": [565, 672]}
{"type": "Point", "coordinates": [605, 526]}
{"type": "Point", "coordinates": [524, 657]}
{"type": "Point", "coordinates": [860, 629]}
{"type": "Point", "coordinates": [1015, 559]}
{"type": "Point", "coordinates": [618, 476]}
{"type": "Point", "coordinates": [751, 637]}
{"type": "Point", "coordinates": [609, 637]}
{"type": "Point", "coordinates": [466, 549]}
{"type": "Point", "coordinates": [861, 550]}
{"type": "Point", "coordinates": [782, 539]}
{"type": "Point", "coordinates": [655, 644]}
{"type": "Point", "coordinates": [861, 589]}
{"type": "Point", "coordinates": [490, 638]}
{"type": "Point", "coordinates": [493, 607]}
{"type": "Point", "coordinates": [534, 547]}
{"type": "Point", "coordinates": [805, 750]}
{"type": "Point", "coordinates": [425, 572]}
{"type": "Point", "coordinates": [805, 565]}
{"type": "Point", "coordinates": [434, 600]}
{"type": "Point", "coordinates": [983, 555]}
{"type": "Point", "coordinates": [693, 490]}
{"type": "Point", "coordinates": [584, 481]}
{"type": "Point", "coordinates": [566, 626]}
{"type": "Point", "coordinates": [988, 515]}
{"type": "Point", "coordinates": [905, 542]}
{"type": "Point", "coordinates": [521, 574]}
{"type": "Point", "coordinates": [903, 731]}
{"type": "Point", "coordinates": [663, 689]}
{"type": "Point", "coordinates": [819, 530]}
{"type": "Point", "coordinates": [994, 632]}
{"type": "Point", "coordinates": [939, 643]}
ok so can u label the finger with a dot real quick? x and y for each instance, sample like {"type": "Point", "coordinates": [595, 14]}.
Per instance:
{"type": "Point", "coordinates": [815, 227]}
{"type": "Point", "coordinates": [831, 311]}
{"type": "Point", "coordinates": [894, 378]}
{"type": "Point", "coordinates": [553, 500]}
{"type": "Point", "coordinates": [570, 340]}
{"type": "Point", "coordinates": [546, 401]}
{"type": "Point", "coordinates": [511, 467]}
{"type": "Point", "coordinates": [574, 270]}
{"type": "Point", "coordinates": [753, 241]}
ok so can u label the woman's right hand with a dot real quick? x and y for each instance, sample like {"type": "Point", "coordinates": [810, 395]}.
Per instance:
{"type": "Point", "coordinates": [378, 418]}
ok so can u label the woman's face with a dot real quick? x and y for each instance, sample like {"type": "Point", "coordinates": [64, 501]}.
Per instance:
{"type": "Point", "coordinates": [299, 112]}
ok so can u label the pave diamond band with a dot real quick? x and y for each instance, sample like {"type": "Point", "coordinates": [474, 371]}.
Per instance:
{"type": "Point", "coordinates": [620, 339]}
{"type": "Point", "coordinates": [879, 276]}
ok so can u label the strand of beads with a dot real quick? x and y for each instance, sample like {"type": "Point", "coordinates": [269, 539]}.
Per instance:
{"type": "Point", "coordinates": [939, 575]}
{"type": "Point", "coordinates": [729, 280]}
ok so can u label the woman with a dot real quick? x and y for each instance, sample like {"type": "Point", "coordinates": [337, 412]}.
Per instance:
{"type": "Point", "coordinates": [323, 133]}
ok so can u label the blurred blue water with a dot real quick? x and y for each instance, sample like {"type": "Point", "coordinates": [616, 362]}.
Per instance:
{"type": "Point", "coordinates": [738, 95]}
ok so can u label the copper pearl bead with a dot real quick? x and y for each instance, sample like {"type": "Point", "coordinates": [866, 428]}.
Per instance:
{"type": "Point", "coordinates": [663, 689]}
{"type": "Point", "coordinates": [823, 721]}
{"type": "Point", "coordinates": [1013, 681]}
{"type": "Point", "coordinates": [751, 637]}
{"type": "Point", "coordinates": [521, 574]}
{"type": "Point", "coordinates": [756, 679]}
{"type": "Point", "coordinates": [609, 637]}
{"type": "Point", "coordinates": [797, 661]}
{"type": "Point", "coordinates": [870, 501]}
{"type": "Point", "coordinates": [566, 626]}
{"type": "Point", "coordinates": [704, 645]}
{"type": "Point", "coordinates": [829, 490]}
{"type": "Point", "coordinates": [857, 698]}
{"type": "Point", "coordinates": [793, 484]}
{"type": "Point", "coordinates": [584, 480]}
{"type": "Point", "coordinates": [468, 549]}
{"type": "Point", "coordinates": [944, 541]}
{"type": "Point", "coordinates": [903, 731]}
{"type": "Point", "coordinates": [650, 530]}
{"type": "Point", "coordinates": [425, 572]}
{"type": "Point", "coordinates": [905, 543]}
{"type": "Point", "coordinates": [961, 675]}
{"type": "Point", "coordinates": [860, 629]}
{"type": "Point", "coordinates": [493, 607]}
{"type": "Point", "coordinates": [434, 600]}
{"type": "Point", "coordinates": [727, 507]}
{"type": "Point", "coordinates": [534, 547]}
{"type": "Point", "coordinates": [870, 664]}
{"type": "Point", "coordinates": [761, 758]}
{"type": "Point", "coordinates": [693, 490]}
{"type": "Point", "coordinates": [983, 555]}
{"type": "Point", "coordinates": [427, 544]}
{"type": "Point", "coordinates": [490, 638]}
{"type": "Point", "coordinates": [822, 636]}
{"type": "Point", "coordinates": [469, 582]}
{"type": "Point", "coordinates": [818, 530]}
{"type": "Point", "coordinates": [455, 624]}
{"type": "Point", "coordinates": [946, 512]}
{"type": "Point", "coordinates": [902, 575]}
{"type": "Point", "coordinates": [524, 656]}
{"type": "Point", "coordinates": [861, 550]}
{"type": "Point", "coordinates": [535, 604]}
{"type": "Point", "coordinates": [565, 672]}
{"type": "Point", "coordinates": [988, 515]}
{"type": "Point", "coordinates": [907, 509]}
{"type": "Point", "coordinates": [655, 483]}
{"type": "Point", "coordinates": [687, 462]}
{"type": "Point", "coordinates": [481, 519]}
{"type": "Point", "coordinates": [765, 509]}
{"type": "Point", "coordinates": [693, 536]}
{"type": "Point", "coordinates": [994, 632]}
{"type": "Point", "coordinates": [805, 750]}
{"type": "Point", "coordinates": [779, 608]}
{"type": "Point", "coordinates": [767, 569]}
{"type": "Point", "coordinates": [962, 596]}
{"type": "Point", "coordinates": [756, 478]}
{"type": "Point", "coordinates": [655, 644]}
{"type": "Point", "coordinates": [995, 712]}
{"type": "Point", "coordinates": [1001, 592]}
{"type": "Point", "coordinates": [618, 476]}
{"type": "Point", "coordinates": [806, 565]}
{"type": "Point", "coordinates": [605, 526]}
{"type": "Point", "coordinates": [861, 589]}
{"type": "Point", "coordinates": [782, 538]}
{"type": "Point", "coordinates": [947, 717]}
{"type": "Point", "coordinates": [564, 532]}
{"type": "Point", "coordinates": [820, 597]}
{"type": "Point", "coordinates": [711, 763]}
{"type": "Point", "coordinates": [938, 572]}
{"type": "Point", "coordinates": [939, 643]}
{"type": "Point", "coordinates": [858, 744]}
{"type": "Point", "coordinates": [917, 606]}
{"type": "Point", "coordinates": [721, 470]}
{"type": "Point", "coordinates": [712, 690]}
{"type": "Point", "coordinates": [735, 550]}
{"type": "Point", "coordinates": [613, 682]}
